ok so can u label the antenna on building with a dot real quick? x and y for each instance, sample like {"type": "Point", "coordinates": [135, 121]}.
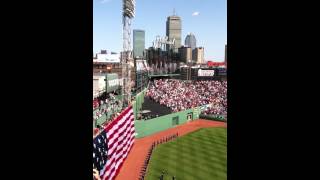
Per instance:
{"type": "Point", "coordinates": [174, 11]}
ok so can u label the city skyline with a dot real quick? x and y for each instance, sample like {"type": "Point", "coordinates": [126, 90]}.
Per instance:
{"type": "Point", "coordinates": [207, 20]}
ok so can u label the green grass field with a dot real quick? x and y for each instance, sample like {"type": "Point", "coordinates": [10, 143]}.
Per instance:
{"type": "Point", "coordinates": [200, 155]}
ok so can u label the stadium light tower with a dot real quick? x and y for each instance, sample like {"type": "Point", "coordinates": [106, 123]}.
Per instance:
{"type": "Point", "coordinates": [128, 13]}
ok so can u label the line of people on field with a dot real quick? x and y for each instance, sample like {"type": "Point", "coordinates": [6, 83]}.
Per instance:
{"type": "Point", "coordinates": [154, 144]}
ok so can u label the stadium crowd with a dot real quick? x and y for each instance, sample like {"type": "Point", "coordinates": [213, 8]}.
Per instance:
{"type": "Point", "coordinates": [110, 105]}
{"type": "Point", "coordinates": [181, 95]}
{"type": "Point", "coordinates": [105, 106]}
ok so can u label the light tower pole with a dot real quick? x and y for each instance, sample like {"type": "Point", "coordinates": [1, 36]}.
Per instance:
{"type": "Point", "coordinates": [126, 55]}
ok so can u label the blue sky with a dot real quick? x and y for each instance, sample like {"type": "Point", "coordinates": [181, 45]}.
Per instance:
{"type": "Point", "coordinates": [206, 19]}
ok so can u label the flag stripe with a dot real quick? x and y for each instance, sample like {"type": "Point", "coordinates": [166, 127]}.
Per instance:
{"type": "Point", "coordinates": [120, 139]}
{"type": "Point", "coordinates": [112, 132]}
{"type": "Point", "coordinates": [113, 159]}
{"type": "Point", "coordinates": [116, 155]}
{"type": "Point", "coordinates": [117, 139]}
{"type": "Point", "coordinates": [116, 134]}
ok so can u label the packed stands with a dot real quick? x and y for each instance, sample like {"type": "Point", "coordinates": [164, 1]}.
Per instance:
{"type": "Point", "coordinates": [105, 108]}
{"type": "Point", "coordinates": [180, 95]}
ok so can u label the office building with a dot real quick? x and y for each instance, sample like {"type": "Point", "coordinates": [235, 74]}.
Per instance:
{"type": "Point", "coordinates": [185, 54]}
{"type": "Point", "coordinates": [190, 41]}
{"type": "Point", "coordinates": [138, 43]}
{"type": "Point", "coordinates": [198, 55]}
{"type": "Point", "coordinates": [173, 31]}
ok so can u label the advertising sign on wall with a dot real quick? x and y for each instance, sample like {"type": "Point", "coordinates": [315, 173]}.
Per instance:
{"type": "Point", "coordinates": [207, 73]}
{"type": "Point", "coordinates": [108, 58]}
{"type": "Point", "coordinates": [113, 82]}
{"type": "Point", "coordinates": [212, 64]}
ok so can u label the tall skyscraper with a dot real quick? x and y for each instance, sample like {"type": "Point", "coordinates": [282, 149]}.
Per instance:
{"type": "Point", "coordinates": [190, 41]}
{"type": "Point", "coordinates": [138, 42]}
{"type": "Point", "coordinates": [173, 30]}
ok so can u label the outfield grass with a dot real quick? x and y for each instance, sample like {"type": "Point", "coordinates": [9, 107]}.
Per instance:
{"type": "Point", "coordinates": [200, 155]}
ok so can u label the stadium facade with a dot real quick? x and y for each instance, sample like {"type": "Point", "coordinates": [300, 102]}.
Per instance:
{"type": "Point", "coordinates": [203, 73]}
{"type": "Point", "coordinates": [161, 61]}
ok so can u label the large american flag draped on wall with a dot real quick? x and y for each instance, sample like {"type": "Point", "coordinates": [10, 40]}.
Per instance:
{"type": "Point", "coordinates": [111, 146]}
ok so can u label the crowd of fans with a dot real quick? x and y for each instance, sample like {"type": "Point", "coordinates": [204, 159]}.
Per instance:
{"type": "Point", "coordinates": [217, 110]}
{"type": "Point", "coordinates": [181, 95]}
{"type": "Point", "coordinates": [105, 106]}
{"type": "Point", "coordinates": [104, 100]}
{"type": "Point", "coordinates": [112, 108]}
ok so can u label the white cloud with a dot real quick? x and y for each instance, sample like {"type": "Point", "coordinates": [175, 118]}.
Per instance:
{"type": "Point", "coordinates": [104, 1]}
{"type": "Point", "coordinates": [195, 13]}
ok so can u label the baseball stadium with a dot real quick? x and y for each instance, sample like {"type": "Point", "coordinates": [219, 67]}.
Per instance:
{"type": "Point", "coordinates": [155, 117]}
{"type": "Point", "coordinates": [172, 129]}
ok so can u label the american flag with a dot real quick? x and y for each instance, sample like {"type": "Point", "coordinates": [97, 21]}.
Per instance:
{"type": "Point", "coordinates": [100, 151]}
{"type": "Point", "coordinates": [112, 146]}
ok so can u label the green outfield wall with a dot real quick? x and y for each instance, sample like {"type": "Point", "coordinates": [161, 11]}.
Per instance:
{"type": "Point", "coordinates": [137, 103]}
{"type": "Point", "coordinates": [148, 127]}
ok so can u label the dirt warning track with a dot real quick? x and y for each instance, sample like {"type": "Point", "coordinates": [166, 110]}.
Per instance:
{"type": "Point", "coordinates": [132, 165]}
